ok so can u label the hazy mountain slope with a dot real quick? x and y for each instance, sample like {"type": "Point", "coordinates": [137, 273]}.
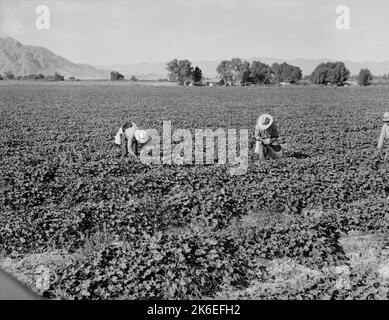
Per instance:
{"type": "Point", "coordinates": [24, 59]}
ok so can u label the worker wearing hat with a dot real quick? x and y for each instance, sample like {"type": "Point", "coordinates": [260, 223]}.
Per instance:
{"type": "Point", "coordinates": [266, 134]}
{"type": "Point", "coordinates": [384, 135]}
{"type": "Point", "coordinates": [131, 139]}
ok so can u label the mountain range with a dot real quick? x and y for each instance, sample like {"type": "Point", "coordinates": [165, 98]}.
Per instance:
{"type": "Point", "coordinates": [26, 59]}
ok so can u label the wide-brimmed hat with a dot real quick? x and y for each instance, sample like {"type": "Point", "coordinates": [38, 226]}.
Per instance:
{"type": "Point", "coordinates": [141, 136]}
{"type": "Point", "coordinates": [386, 117]}
{"type": "Point", "coordinates": [264, 121]}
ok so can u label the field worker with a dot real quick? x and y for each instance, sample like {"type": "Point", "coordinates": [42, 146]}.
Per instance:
{"type": "Point", "coordinates": [384, 135]}
{"type": "Point", "coordinates": [266, 134]}
{"type": "Point", "coordinates": [131, 139]}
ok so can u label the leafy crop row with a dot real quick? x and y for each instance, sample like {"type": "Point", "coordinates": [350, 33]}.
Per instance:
{"type": "Point", "coordinates": [183, 228]}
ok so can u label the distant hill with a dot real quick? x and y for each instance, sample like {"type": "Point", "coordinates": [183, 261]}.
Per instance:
{"type": "Point", "coordinates": [158, 70]}
{"type": "Point", "coordinates": [24, 60]}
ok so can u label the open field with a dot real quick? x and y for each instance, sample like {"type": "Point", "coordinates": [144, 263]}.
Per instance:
{"type": "Point", "coordinates": [77, 223]}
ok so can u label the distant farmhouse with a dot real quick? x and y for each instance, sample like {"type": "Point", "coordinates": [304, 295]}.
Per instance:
{"type": "Point", "coordinates": [213, 82]}
{"type": "Point", "coordinates": [207, 82]}
{"type": "Point", "coordinates": [285, 84]}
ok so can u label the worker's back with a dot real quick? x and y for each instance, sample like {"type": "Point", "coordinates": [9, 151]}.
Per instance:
{"type": "Point", "coordinates": [12, 289]}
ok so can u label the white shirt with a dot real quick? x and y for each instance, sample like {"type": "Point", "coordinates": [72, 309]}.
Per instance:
{"type": "Point", "coordinates": [384, 135]}
{"type": "Point", "coordinates": [129, 133]}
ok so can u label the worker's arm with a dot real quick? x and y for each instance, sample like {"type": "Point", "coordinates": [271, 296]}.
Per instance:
{"type": "Point", "coordinates": [123, 145]}
{"type": "Point", "coordinates": [256, 133]}
{"type": "Point", "coordinates": [130, 133]}
{"type": "Point", "coordinates": [272, 140]}
{"type": "Point", "coordinates": [258, 136]}
{"type": "Point", "coordinates": [382, 138]}
{"type": "Point", "coordinates": [274, 134]}
{"type": "Point", "coordinates": [265, 141]}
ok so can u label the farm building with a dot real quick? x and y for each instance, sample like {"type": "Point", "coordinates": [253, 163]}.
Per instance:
{"type": "Point", "coordinates": [285, 84]}
{"type": "Point", "coordinates": [214, 82]}
{"type": "Point", "coordinates": [208, 82]}
{"type": "Point", "coordinates": [191, 83]}
{"type": "Point", "coordinates": [351, 83]}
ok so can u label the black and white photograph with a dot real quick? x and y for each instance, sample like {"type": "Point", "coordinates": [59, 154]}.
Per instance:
{"type": "Point", "coordinates": [214, 151]}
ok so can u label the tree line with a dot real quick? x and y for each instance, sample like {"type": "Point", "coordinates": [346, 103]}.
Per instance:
{"type": "Point", "coordinates": [182, 70]}
{"type": "Point", "coordinates": [238, 72]}
{"type": "Point", "coordinates": [9, 75]}
{"type": "Point", "coordinates": [334, 73]}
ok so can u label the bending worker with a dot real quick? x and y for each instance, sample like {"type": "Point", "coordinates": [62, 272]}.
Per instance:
{"type": "Point", "coordinates": [131, 139]}
{"type": "Point", "coordinates": [384, 135]}
{"type": "Point", "coordinates": [266, 134]}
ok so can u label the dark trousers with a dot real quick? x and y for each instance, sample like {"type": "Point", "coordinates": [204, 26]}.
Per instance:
{"type": "Point", "coordinates": [268, 151]}
{"type": "Point", "coordinates": [124, 146]}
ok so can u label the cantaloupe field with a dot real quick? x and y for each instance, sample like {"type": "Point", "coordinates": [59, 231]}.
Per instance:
{"type": "Point", "coordinates": [313, 225]}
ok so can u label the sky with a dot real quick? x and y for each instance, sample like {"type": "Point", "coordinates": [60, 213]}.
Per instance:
{"type": "Point", "coordinates": [103, 32]}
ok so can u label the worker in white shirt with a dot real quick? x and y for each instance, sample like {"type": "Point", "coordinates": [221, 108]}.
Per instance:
{"type": "Point", "coordinates": [131, 139]}
{"type": "Point", "coordinates": [266, 135]}
{"type": "Point", "coordinates": [384, 135]}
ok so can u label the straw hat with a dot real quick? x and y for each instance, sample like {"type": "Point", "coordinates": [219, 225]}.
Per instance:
{"type": "Point", "coordinates": [141, 136]}
{"type": "Point", "coordinates": [386, 117]}
{"type": "Point", "coordinates": [264, 121]}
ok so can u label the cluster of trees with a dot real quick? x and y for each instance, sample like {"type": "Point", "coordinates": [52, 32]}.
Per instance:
{"type": "Point", "coordinates": [182, 70]}
{"type": "Point", "coordinates": [286, 73]}
{"type": "Point", "coordinates": [9, 75]}
{"type": "Point", "coordinates": [197, 74]}
{"type": "Point", "coordinates": [116, 76]}
{"type": "Point", "coordinates": [58, 77]}
{"type": "Point", "coordinates": [334, 73]}
{"type": "Point", "coordinates": [236, 71]}
{"type": "Point", "coordinates": [364, 77]}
